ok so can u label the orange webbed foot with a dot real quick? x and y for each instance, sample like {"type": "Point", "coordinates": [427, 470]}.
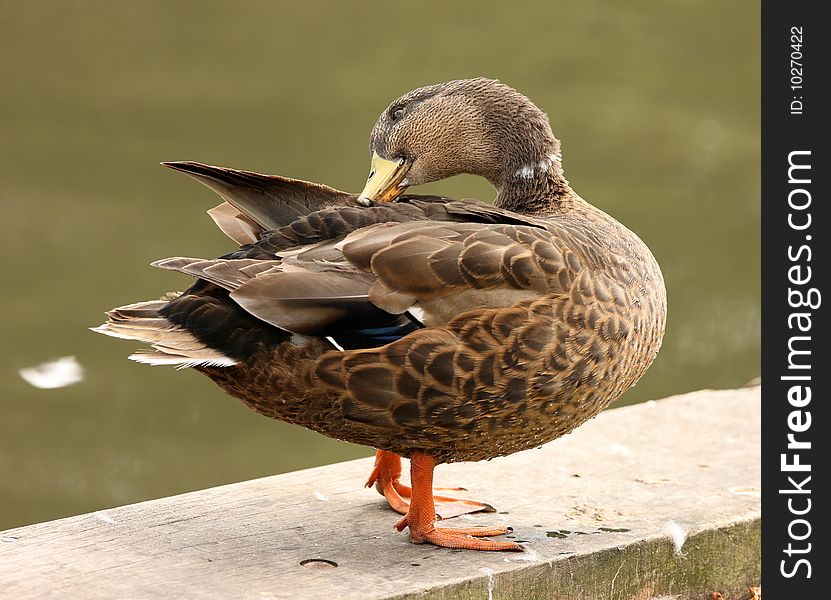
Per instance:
{"type": "Point", "coordinates": [466, 538]}
{"type": "Point", "coordinates": [422, 523]}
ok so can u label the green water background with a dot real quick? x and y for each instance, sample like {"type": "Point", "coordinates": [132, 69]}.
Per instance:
{"type": "Point", "coordinates": [657, 104]}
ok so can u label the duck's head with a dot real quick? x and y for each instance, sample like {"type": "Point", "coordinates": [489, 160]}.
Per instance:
{"type": "Point", "coordinates": [476, 126]}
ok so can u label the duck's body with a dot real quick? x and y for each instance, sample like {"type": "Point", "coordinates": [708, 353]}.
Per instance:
{"type": "Point", "coordinates": [551, 340]}
{"type": "Point", "coordinates": [430, 328]}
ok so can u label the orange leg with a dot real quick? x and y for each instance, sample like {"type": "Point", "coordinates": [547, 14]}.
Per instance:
{"type": "Point", "coordinates": [421, 518]}
{"type": "Point", "coordinates": [386, 478]}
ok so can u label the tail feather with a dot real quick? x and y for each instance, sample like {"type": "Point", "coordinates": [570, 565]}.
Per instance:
{"type": "Point", "coordinates": [149, 357]}
{"type": "Point", "coordinates": [228, 274]}
{"type": "Point", "coordinates": [235, 225]}
{"type": "Point", "coordinates": [172, 345]}
{"type": "Point", "coordinates": [268, 201]}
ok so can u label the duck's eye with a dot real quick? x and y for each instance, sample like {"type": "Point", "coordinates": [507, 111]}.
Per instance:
{"type": "Point", "coordinates": [397, 113]}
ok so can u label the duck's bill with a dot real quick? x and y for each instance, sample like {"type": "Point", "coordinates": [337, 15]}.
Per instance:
{"type": "Point", "coordinates": [385, 179]}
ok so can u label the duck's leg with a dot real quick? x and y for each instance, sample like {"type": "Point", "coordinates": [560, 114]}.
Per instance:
{"type": "Point", "coordinates": [421, 518]}
{"type": "Point", "coordinates": [386, 478]}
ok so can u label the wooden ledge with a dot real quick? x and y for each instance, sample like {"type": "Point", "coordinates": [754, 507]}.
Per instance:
{"type": "Point", "coordinates": [660, 498]}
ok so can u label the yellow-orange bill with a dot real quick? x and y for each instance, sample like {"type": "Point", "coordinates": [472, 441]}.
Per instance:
{"type": "Point", "coordinates": [384, 177]}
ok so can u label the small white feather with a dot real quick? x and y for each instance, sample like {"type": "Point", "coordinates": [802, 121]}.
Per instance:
{"type": "Point", "coordinates": [678, 535]}
{"type": "Point", "coordinates": [103, 516]}
{"type": "Point", "coordinates": [58, 373]}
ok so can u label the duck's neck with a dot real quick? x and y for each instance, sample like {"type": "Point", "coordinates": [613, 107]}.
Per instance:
{"type": "Point", "coordinates": [533, 183]}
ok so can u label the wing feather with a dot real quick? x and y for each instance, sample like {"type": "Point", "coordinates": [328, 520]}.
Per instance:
{"type": "Point", "coordinates": [270, 201]}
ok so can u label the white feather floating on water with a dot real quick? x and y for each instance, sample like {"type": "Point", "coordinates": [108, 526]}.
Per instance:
{"type": "Point", "coordinates": [57, 373]}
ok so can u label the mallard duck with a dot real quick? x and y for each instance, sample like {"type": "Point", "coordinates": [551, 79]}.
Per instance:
{"type": "Point", "coordinates": [434, 329]}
